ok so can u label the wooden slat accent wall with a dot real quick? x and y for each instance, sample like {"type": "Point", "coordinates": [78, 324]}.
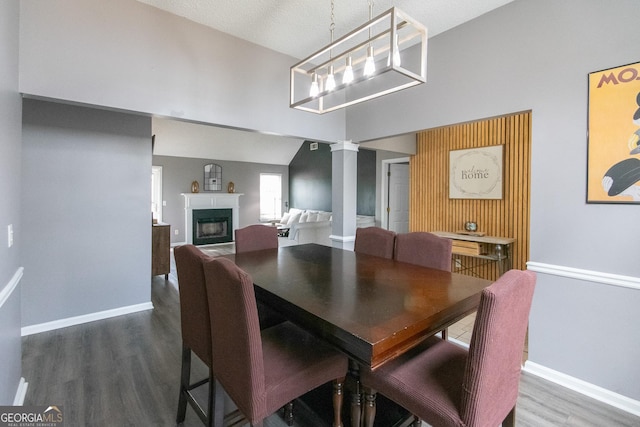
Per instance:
{"type": "Point", "coordinates": [430, 206]}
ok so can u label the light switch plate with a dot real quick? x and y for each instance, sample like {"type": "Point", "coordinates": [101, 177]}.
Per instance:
{"type": "Point", "coordinates": [10, 235]}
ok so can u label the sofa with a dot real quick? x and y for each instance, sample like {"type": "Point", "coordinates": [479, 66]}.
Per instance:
{"type": "Point", "coordinates": [313, 226]}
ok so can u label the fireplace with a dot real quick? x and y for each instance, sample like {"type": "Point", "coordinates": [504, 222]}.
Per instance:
{"type": "Point", "coordinates": [195, 203]}
{"type": "Point", "coordinates": [212, 226]}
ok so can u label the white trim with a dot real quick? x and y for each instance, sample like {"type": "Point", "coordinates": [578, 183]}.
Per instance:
{"type": "Point", "coordinates": [601, 394]}
{"type": "Point", "coordinates": [587, 275]}
{"type": "Point", "coordinates": [6, 292]}
{"type": "Point", "coordinates": [21, 393]}
{"type": "Point", "coordinates": [346, 145]}
{"type": "Point", "coordinates": [85, 318]}
{"type": "Point", "coordinates": [342, 238]}
{"type": "Point", "coordinates": [458, 342]}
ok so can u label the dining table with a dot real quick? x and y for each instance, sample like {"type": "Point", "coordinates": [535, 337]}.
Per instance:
{"type": "Point", "coordinates": [370, 308]}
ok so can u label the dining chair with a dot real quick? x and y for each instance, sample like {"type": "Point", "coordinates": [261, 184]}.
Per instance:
{"type": "Point", "coordinates": [375, 241]}
{"type": "Point", "coordinates": [262, 370]}
{"type": "Point", "coordinates": [446, 385]}
{"type": "Point", "coordinates": [425, 249]}
{"type": "Point", "coordinates": [195, 328]}
{"type": "Point", "coordinates": [256, 237]}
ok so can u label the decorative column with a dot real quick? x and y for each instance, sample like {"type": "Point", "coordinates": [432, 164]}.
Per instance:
{"type": "Point", "coordinates": [344, 180]}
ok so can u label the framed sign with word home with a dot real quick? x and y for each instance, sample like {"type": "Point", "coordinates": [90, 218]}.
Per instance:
{"type": "Point", "coordinates": [476, 173]}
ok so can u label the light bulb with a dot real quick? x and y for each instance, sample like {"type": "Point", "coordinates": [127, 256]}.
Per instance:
{"type": "Point", "coordinates": [396, 55]}
{"type": "Point", "coordinates": [347, 77]}
{"type": "Point", "coordinates": [331, 81]}
{"type": "Point", "coordinates": [313, 92]}
{"type": "Point", "coordinates": [369, 65]}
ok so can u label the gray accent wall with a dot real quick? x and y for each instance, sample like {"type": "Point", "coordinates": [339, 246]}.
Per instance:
{"type": "Point", "coordinates": [86, 211]}
{"type": "Point", "coordinates": [536, 55]}
{"type": "Point", "coordinates": [179, 172]}
{"type": "Point", "coordinates": [10, 189]}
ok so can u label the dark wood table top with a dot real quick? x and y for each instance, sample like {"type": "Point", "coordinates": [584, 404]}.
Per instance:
{"type": "Point", "coordinates": [371, 308]}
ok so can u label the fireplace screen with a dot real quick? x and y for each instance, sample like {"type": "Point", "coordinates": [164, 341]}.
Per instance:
{"type": "Point", "coordinates": [212, 226]}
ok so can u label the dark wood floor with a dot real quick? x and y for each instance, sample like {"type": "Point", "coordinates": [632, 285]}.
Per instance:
{"type": "Point", "coordinates": [125, 371]}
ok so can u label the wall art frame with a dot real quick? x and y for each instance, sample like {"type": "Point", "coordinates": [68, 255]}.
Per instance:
{"type": "Point", "coordinates": [613, 135]}
{"type": "Point", "coordinates": [476, 173]}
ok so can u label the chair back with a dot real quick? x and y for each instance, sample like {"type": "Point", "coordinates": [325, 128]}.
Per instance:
{"type": "Point", "coordinates": [236, 341]}
{"type": "Point", "coordinates": [375, 241]}
{"type": "Point", "coordinates": [194, 309]}
{"type": "Point", "coordinates": [492, 373]}
{"type": "Point", "coordinates": [256, 237]}
{"type": "Point", "coordinates": [425, 249]}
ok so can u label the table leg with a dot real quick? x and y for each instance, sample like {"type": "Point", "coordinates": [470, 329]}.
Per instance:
{"type": "Point", "coordinates": [369, 407]}
{"type": "Point", "coordinates": [338, 386]}
{"type": "Point", "coordinates": [356, 395]}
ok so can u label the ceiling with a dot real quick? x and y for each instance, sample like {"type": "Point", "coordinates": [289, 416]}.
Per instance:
{"type": "Point", "coordinates": [300, 27]}
{"type": "Point", "coordinates": [297, 28]}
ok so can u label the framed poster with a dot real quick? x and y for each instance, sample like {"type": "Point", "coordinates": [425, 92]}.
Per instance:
{"type": "Point", "coordinates": [613, 163]}
{"type": "Point", "coordinates": [476, 173]}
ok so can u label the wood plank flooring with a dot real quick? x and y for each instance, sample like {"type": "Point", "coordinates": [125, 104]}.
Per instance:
{"type": "Point", "coordinates": [125, 371]}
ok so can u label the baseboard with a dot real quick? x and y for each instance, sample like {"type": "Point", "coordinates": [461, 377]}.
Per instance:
{"type": "Point", "coordinates": [85, 318]}
{"type": "Point", "coordinates": [21, 393]}
{"type": "Point", "coordinates": [601, 394]}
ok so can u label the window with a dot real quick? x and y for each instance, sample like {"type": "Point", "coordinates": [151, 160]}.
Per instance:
{"type": "Point", "coordinates": [270, 196]}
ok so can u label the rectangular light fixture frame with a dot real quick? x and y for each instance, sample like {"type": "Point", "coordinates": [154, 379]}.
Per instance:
{"type": "Point", "coordinates": [391, 34]}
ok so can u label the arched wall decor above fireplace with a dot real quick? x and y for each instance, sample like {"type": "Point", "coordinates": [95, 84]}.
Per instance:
{"type": "Point", "coordinates": [212, 177]}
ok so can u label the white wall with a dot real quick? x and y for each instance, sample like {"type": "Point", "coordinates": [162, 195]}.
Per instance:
{"type": "Point", "coordinates": [86, 213]}
{"type": "Point", "coordinates": [10, 189]}
{"type": "Point", "coordinates": [536, 55]}
{"type": "Point", "coordinates": [128, 55]}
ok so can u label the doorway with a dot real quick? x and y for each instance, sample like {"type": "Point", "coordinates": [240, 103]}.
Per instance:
{"type": "Point", "coordinates": [395, 195]}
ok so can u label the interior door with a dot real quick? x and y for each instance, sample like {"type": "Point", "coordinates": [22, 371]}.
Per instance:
{"type": "Point", "coordinates": [398, 197]}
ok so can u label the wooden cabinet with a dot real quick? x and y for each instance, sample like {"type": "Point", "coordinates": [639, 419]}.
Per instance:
{"type": "Point", "coordinates": [160, 248]}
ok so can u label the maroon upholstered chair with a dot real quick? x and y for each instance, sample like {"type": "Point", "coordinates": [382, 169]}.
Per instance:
{"type": "Point", "coordinates": [445, 385]}
{"type": "Point", "coordinates": [256, 237]}
{"type": "Point", "coordinates": [375, 241]}
{"type": "Point", "coordinates": [262, 370]}
{"type": "Point", "coordinates": [195, 325]}
{"type": "Point", "coordinates": [425, 249]}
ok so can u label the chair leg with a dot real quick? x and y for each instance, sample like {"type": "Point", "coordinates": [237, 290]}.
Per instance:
{"type": "Point", "coordinates": [216, 413]}
{"type": "Point", "coordinates": [184, 384]}
{"type": "Point", "coordinates": [445, 334]}
{"type": "Point", "coordinates": [211, 401]}
{"type": "Point", "coordinates": [288, 413]}
{"type": "Point", "coordinates": [510, 419]}
{"type": "Point", "coordinates": [369, 407]}
{"type": "Point", "coordinates": [417, 422]}
{"type": "Point", "coordinates": [338, 391]}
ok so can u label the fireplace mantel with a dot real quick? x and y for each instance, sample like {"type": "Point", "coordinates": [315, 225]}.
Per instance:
{"type": "Point", "coordinates": [195, 201]}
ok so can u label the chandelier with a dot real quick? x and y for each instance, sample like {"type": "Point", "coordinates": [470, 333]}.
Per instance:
{"type": "Point", "coordinates": [384, 55]}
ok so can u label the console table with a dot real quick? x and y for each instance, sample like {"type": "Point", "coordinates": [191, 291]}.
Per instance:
{"type": "Point", "coordinates": [160, 249]}
{"type": "Point", "coordinates": [492, 248]}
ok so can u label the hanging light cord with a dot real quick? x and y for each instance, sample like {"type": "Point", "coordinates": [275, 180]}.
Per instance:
{"type": "Point", "coordinates": [332, 27]}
